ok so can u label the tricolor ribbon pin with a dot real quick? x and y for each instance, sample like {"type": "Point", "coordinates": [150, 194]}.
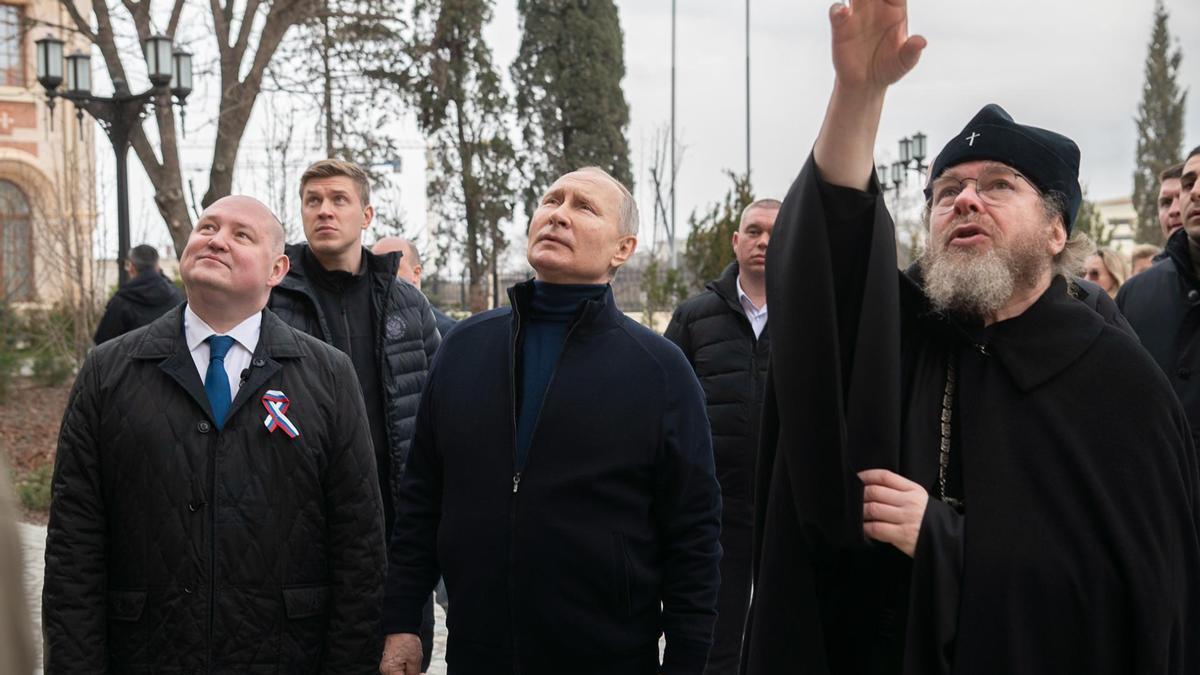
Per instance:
{"type": "Point", "coordinates": [276, 403]}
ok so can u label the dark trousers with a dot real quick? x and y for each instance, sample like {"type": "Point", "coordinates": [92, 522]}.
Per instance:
{"type": "Point", "coordinates": [734, 596]}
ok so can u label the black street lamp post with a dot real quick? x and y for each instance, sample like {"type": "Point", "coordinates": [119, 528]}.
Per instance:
{"type": "Point", "coordinates": [912, 158]}
{"type": "Point", "coordinates": [120, 115]}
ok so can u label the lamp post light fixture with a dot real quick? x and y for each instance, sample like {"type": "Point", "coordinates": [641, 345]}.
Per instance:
{"type": "Point", "coordinates": [170, 73]}
{"type": "Point", "coordinates": [912, 152]}
{"type": "Point", "coordinates": [912, 158]}
{"type": "Point", "coordinates": [79, 74]}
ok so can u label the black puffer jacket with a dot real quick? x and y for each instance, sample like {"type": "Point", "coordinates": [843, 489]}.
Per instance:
{"type": "Point", "coordinates": [177, 548]}
{"type": "Point", "coordinates": [405, 346]}
{"type": "Point", "coordinates": [141, 300]}
{"type": "Point", "coordinates": [715, 335]}
{"type": "Point", "coordinates": [1163, 306]}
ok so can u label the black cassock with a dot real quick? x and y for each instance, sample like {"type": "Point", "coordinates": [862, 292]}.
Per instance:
{"type": "Point", "coordinates": [1076, 550]}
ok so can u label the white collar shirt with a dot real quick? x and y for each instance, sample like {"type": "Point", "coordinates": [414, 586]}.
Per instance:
{"type": "Point", "coordinates": [757, 315]}
{"type": "Point", "coordinates": [245, 339]}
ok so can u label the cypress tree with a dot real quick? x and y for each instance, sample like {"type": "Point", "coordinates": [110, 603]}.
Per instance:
{"type": "Point", "coordinates": [1159, 126]}
{"type": "Point", "coordinates": [1088, 222]}
{"type": "Point", "coordinates": [464, 109]}
{"type": "Point", "coordinates": [569, 100]}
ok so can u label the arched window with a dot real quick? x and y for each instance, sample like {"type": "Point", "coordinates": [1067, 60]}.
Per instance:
{"type": "Point", "coordinates": [16, 245]}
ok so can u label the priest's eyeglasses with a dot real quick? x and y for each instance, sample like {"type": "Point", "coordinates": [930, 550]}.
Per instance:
{"type": "Point", "coordinates": [995, 185]}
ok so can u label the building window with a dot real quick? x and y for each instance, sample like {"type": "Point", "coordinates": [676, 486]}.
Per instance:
{"type": "Point", "coordinates": [12, 66]}
{"type": "Point", "coordinates": [16, 245]}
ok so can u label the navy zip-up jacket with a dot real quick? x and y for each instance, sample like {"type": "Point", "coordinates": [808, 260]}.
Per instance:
{"type": "Point", "coordinates": [606, 539]}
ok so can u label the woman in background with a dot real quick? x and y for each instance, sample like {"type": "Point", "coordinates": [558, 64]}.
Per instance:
{"type": "Point", "coordinates": [1107, 269]}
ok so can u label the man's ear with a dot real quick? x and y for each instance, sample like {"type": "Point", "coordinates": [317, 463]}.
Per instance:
{"type": "Point", "coordinates": [368, 216]}
{"type": "Point", "coordinates": [279, 270]}
{"type": "Point", "coordinates": [626, 245]}
{"type": "Point", "coordinates": [734, 241]}
{"type": "Point", "coordinates": [1058, 235]}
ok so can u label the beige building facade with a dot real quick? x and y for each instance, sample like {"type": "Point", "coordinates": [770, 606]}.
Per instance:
{"type": "Point", "coordinates": [1120, 218]}
{"type": "Point", "coordinates": [47, 168]}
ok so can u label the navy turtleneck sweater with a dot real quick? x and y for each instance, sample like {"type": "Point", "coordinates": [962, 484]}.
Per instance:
{"type": "Point", "coordinates": [552, 310]}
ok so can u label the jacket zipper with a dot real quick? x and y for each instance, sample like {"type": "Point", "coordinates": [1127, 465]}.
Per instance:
{"type": "Point", "coordinates": [346, 332]}
{"type": "Point", "coordinates": [541, 407]}
{"type": "Point", "coordinates": [517, 471]}
{"type": "Point", "coordinates": [512, 509]}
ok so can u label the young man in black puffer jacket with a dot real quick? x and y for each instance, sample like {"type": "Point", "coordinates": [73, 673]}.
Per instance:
{"type": "Point", "coordinates": [340, 292]}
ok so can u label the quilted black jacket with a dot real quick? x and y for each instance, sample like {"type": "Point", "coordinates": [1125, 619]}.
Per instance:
{"type": "Point", "coordinates": [716, 337]}
{"type": "Point", "coordinates": [177, 548]}
{"type": "Point", "coordinates": [405, 347]}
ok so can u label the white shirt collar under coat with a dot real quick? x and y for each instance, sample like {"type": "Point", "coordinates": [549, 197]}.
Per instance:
{"type": "Point", "coordinates": [196, 330]}
{"type": "Point", "coordinates": [755, 314]}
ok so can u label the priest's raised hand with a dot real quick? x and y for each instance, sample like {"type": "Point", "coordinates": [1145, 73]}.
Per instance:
{"type": "Point", "coordinates": [871, 44]}
{"type": "Point", "coordinates": [871, 51]}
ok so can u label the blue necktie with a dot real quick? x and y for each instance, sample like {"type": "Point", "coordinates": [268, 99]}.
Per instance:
{"type": "Point", "coordinates": [216, 382]}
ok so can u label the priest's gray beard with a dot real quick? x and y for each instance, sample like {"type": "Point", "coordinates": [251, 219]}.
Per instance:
{"type": "Point", "coordinates": [963, 281]}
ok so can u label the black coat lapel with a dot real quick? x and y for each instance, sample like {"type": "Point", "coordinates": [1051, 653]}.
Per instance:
{"type": "Point", "coordinates": [275, 340]}
{"type": "Point", "coordinates": [164, 341]}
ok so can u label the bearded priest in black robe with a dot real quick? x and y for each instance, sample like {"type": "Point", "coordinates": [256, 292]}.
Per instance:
{"type": "Point", "coordinates": [964, 469]}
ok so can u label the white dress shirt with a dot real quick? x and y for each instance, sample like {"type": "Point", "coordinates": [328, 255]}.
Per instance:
{"type": "Point", "coordinates": [757, 315]}
{"type": "Point", "coordinates": [245, 339]}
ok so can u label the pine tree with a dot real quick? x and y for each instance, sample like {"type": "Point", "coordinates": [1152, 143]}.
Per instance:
{"type": "Point", "coordinates": [464, 109]}
{"type": "Point", "coordinates": [569, 99]}
{"type": "Point", "coordinates": [1160, 126]}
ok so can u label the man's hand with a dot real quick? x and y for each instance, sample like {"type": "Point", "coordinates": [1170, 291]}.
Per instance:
{"type": "Point", "coordinates": [871, 45]}
{"type": "Point", "coordinates": [893, 507]}
{"type": "Point", "coordinates": [871, 50]}
{"type": "Point", "coordinates": [401, 655]}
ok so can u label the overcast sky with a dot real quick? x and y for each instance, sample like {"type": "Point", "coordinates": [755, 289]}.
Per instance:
{"type": "Point", "coordinates": [1070, 66]}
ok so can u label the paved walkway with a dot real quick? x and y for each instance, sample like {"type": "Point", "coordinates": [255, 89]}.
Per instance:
{"type": "Point", "coordinates": [33, 541]}
{"type": "Point", "coordinates": [33, 544]}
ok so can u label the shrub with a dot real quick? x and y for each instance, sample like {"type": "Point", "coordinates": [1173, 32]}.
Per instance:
{"type": "Point", "coordinates": [51, 369]}
{"type": "Point", "coordinates": [33, 489]}
{"type": "Point", "coordinates": [8, 351]}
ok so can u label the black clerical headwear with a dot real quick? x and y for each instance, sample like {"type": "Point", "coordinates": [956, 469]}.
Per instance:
{"type": "Point", "coordinates": [1049, 160]}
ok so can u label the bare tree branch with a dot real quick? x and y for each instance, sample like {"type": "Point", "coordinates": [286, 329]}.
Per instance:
{"type": "Point", "coordinates": [140, 11]}
{"type": "Point", "coordinates": [81, 24]}
{"type": "Point", "coordinates": [173, 22]}
{"type": "Point", "coordinates": [145, 154]}
{"type": "Point", "coordinates": [239, 47]}
{"type": "Point", "coordinates": [106, 41]}
{"type": "Point", "coordinates": [227, 14]}
{"type": "Point", "coordinates": [220, 27]}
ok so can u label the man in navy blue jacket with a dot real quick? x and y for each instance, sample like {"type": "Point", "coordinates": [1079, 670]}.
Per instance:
{"type": "Point", "coordinates": [561, 475]}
